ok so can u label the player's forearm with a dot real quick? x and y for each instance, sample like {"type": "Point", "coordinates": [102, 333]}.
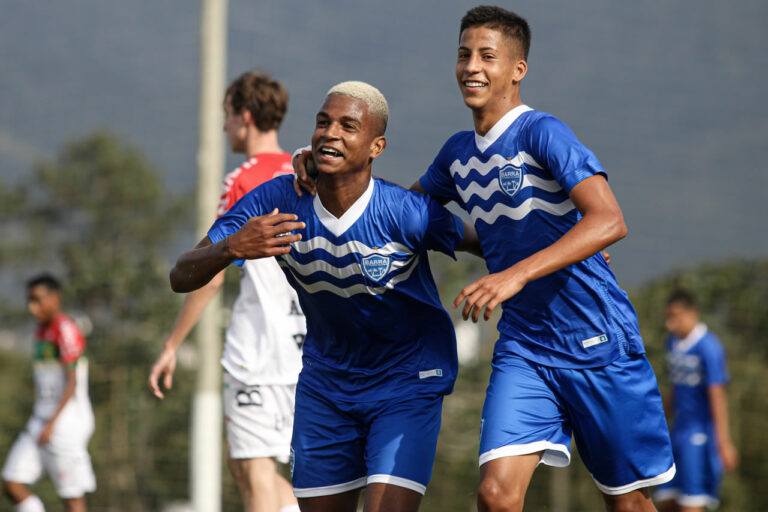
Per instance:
{"type": "Point", "coordinates": [69, 392]}
{"type": "Point", "coordinates": [593, 233]}
{"type": "Point", "coordinates": [196, 267]}
{"type": "Point", "coordinates": [194, 304]}
{"type": "Point", "coordinates": [718, 404]}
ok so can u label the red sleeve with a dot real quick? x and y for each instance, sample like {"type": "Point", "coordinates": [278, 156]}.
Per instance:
{"type": "Point", "coordinates": [70, 340]}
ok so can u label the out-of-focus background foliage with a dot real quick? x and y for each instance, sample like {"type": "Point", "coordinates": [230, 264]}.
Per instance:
{"type": "Point", "coordinates": [97, 146]}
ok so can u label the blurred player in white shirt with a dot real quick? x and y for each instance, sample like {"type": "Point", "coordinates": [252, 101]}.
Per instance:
{"type": "Point", "coordinates": [55, 439]}
{"type": "Point", "coordinates": [262, 350]}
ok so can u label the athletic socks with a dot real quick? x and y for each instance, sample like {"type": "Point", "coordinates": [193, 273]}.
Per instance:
{"type": "Point", "coordinates": [290, 508]}
{"type": "Point", "coordinates": [30, 504]}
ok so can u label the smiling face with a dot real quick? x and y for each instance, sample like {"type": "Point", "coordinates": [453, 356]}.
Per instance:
{"type": "Point", "coordinates": [489, 68]}
{"type": "Point", "coordinates": [347, 137]}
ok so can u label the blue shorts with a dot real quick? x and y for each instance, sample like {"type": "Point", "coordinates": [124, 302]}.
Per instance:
{"type": "Point", "coordinates": [699, 469]}
{"type": "Point", "coordinates": [339, 446]}
{"type": "Point", "coordinates": [614, 412]}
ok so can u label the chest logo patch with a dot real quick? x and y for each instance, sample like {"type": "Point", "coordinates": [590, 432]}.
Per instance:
{"type": "Point", "coordinates": [376, 266]}
{"type": "Point", "coordinates": [510, 179]}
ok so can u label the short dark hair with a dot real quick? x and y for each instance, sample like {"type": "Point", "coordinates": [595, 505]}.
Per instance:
{"type": "Point", "coordinates": [683, 297]}
{"type": "Point", "coordinates": [263, 96]}
{"type": "Point", "coordinates": [47, 280]}
{"type": "Point", "coordinates": [510, 24]}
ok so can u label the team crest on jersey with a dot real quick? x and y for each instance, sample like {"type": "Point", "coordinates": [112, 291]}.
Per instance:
{"type": "Point", "coordinates": [376, 266]}
{"type": "Point", "coordinates": [510, 179]}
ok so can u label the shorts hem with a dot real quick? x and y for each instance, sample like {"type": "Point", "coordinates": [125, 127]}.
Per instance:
{"type": "Point", "coordinates": [639, 484]}
{"type": "Point", "coordinates": [281, 456]}
{"type": "Point", "coordinates": [557, 455]}
{"type": "Point", "coordinates": [398, 481]}
{"type": "Point", "coordinates": [314, 492]}
{"type": "Point", "coordinates": [698, 500]}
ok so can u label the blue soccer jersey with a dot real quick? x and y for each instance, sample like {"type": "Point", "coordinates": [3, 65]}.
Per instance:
{"type": "Point", "coordinates": [514, 182]}
{"type": "Point", "coordinates": [695, 363]}
{"type": "Point", "coordinates": [375, 326]}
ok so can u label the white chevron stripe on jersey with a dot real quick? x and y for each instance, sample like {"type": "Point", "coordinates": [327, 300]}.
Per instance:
{"type": "Point", "coordinates": [355, 289]}
{"type": "Point", "coordinates": [496, 160]}
{"type": "Point", "coordinates": [529, 205]}
{"type": "Point", "coordinates": [353, 269]}
{"type": "Point", "coordinates": [484, 193]}
{"type": "Point", "coordinates": [320, 242]}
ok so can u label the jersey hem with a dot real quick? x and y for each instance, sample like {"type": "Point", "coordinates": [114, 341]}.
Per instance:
{"type": "Point", "coordinates": [313, 492]}
{"type": "Point", "coordinates": [554, 454]}
{"type": "Point", "coordinates": [398, 481]}
{"type": "Point", "coordinates": [639, 484]}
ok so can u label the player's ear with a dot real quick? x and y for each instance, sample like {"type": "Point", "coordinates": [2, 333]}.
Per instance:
{"type": "Point", "coordinates": [247, 117]}
{"type": "Point", "coordinates": [519, 70]}
{"type": "Point", "coordinates": [377, 146]}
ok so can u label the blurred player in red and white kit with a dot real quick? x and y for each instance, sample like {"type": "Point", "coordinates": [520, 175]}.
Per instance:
{"type": "Point", "coordinates": [262, 349]}
{"type": "Point", "coordinates": [56, 437]}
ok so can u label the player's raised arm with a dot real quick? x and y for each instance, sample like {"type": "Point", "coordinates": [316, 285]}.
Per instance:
{"type": "Point", "coordinates": [260, 237]}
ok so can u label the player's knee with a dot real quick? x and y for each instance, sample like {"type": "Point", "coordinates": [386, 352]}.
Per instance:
{"type": "Point", "coordinates": [631, 502]}
{"type": "Point", "coordinates": [492, 496]}
{"type": "Point", "coordinates": [13, 490]}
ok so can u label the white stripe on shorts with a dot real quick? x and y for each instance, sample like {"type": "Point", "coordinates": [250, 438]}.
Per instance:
{"type": "Point", "coordinates": [557, 455]}
{"type": "Point", "coordinates": [648, 482]}
{"type": "Point", "coordinates": [398, 481]}
{"type": "Point", "coordinates": [313, 492]}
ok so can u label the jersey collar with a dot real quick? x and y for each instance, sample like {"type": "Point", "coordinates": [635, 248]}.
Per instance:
{"type": "Point", "coordinates": [338, 226]}
{"type": "Point", "coordinates": [483, 142]}
{"type": "Point", "coordinates": [685, 344]}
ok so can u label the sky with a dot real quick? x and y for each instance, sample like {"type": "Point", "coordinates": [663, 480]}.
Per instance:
{"type": "Point", "coordinates": [669, 95]}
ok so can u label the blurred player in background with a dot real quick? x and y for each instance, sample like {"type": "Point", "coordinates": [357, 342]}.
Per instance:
{"type": "Point", "coordinates": [262, 350]}
{"type": "Point", "coordinates": [700, 437]}
{"type": "Point", "coordinates": [380, 351]}
{"type": "Point", "coordinates": [56, 436]}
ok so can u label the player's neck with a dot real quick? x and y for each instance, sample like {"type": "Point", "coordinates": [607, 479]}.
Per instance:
{"type": "Point", "coordinates": [486, 117]}
{"type": "Point", "coordinates": [261, 142]}
{"type": "Point", "coordinates": [338, 192]}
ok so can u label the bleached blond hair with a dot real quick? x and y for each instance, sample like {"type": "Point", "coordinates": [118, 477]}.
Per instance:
{"type": "Point", "coordinates": [371, 96]}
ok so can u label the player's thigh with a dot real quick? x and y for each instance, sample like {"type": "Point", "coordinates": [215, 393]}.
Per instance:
{"type": "Point", "coordinates": [341, 502]}
{"type": "Point", "coordinates": [24, 462]}
{"type": "Point", "coordinates": [391, 498]}
{"type": "Point", "coordinates": [257, 472]}
{"type": "Point", "coordinates": [328, 446]}
{"type": "Point", "coordinates": [259, 419]}
{"type": "Point", "coordinates": [504, 481]}
{"type": "Point", "coordinates": [402, 441]}
{"type": "Point", "coordinates": [619, 424]}
{"type": "Point", "coordinates": [522, 414]}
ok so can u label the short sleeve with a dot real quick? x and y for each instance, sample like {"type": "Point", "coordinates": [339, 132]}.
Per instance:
{"type": "Point", "coordinates": [257, 202]}
{"type": "Point", "coordinates": [71, 342]}
{"type": "Point", "coordinates": [713, 356]}
{"type": "Point", "coordinates": [554, 145]}
{"type": "Point", "coordinates": [444, 231]}
{"type": "Point", "coordinates": [437, 181]}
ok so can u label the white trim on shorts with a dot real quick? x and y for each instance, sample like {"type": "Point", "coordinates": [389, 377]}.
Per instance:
{"type": "Point", "coordinates": [698, 500]}
{"type": "Point", "coordinates": [639, 484]}
{"type": "Point", "coordinates": [557, 455]}
{"type": "Point", "coordinates": [398, 481]}
{"type": "Point", "coordinates": [314, 492]}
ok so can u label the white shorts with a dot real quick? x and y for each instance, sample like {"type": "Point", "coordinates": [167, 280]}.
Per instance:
{"type": "Point", "coordinates": [259, 419]}
{"type": "Point", "coordinates": [67, 463]}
